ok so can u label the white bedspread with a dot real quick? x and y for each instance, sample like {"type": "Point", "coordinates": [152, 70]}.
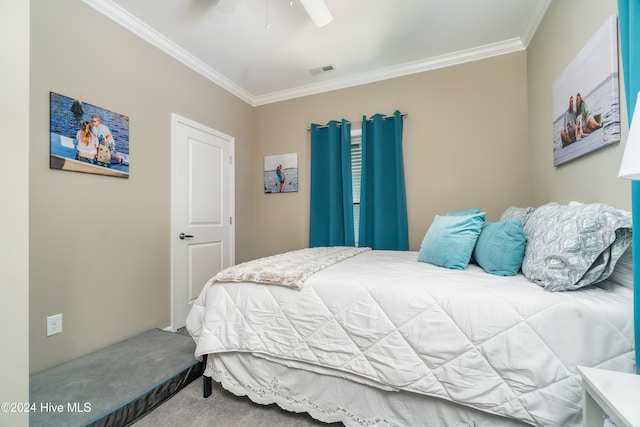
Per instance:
{"type": "Point", "coordinates": [502, 345]}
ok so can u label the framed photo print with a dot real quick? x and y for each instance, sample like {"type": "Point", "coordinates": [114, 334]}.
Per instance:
{"type": "Point", "coordinates": [586, 98]}
{"type": "Point", "coordinates": [86, 138]}
{"type": "Point", "coordinates": [281, 173]}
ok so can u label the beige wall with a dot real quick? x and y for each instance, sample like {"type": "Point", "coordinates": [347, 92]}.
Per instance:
{"type": "Point", "coordinates": [100, 246]}
{"type": "Point", "coordinates": [14, 193]}
{"type": "Point", "coordinates": [465, 144]}
{"type": "Point", "coordinates": [591, 178]}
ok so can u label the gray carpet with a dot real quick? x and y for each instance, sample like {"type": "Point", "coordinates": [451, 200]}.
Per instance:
{"type": "Point", "coordinates": [112, 381]}
{"type": "Point", "coordinates": [221, 409]}
{"type": "Point", "coordinates": [114, 385]}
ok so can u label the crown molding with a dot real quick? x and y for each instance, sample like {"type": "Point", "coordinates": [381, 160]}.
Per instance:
{"type": "Point", "coordinates": [448, 60]}
{"type": "Point", "coordinates": [142, 30]}
{"type": "Point", "coordinates": [540, 9]}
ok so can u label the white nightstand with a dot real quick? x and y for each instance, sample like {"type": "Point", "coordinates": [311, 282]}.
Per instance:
{"type": "Point", "coordinates": [613, 393]}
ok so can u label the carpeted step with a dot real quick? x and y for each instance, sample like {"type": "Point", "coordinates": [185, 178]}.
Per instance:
{"type": "Point", "coordinates": [114, 386]}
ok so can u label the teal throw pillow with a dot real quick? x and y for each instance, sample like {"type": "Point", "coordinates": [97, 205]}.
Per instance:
{"type": "Point", "coordinates": [500, 247]}
{"type": "Point", "coordinates": [450, 240]}
{"type": "Point", "coordinates": [469, 211]}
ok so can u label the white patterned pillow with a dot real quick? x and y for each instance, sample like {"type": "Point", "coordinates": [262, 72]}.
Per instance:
{"type": "Point", "coordinates": [522, 214]}
{"type": "Point", "coordinates": [569, 247]}
{"type": "Point", "coordinates": [623, 273]}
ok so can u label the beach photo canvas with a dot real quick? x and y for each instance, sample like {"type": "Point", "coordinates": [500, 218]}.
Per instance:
{"type": "Point", "coordinates": [586, 98]}
{"type": "Point", "coordinates": [85, 138]}
{"type": "Point", "coordinates": [281, 173]}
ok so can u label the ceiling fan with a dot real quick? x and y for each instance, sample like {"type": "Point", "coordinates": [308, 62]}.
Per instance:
{"type": "Point", "coordinates": [316, 9]}
{"type": "Point", "coordinates": [318, 12]}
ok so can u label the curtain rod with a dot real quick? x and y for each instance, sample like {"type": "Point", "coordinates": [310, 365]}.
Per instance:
{"type": "Point", "coordinates": [340, 124]}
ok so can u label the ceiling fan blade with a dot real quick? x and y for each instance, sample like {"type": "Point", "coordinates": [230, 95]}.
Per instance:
{"type": "Point", "coordinates": [318, 11]}
{"type": "Point", "coordinates": [227, 6]}
{"type": "Point", "coordinates": [199, 7]}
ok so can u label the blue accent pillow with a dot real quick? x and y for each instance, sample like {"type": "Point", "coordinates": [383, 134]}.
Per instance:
{"type": "Point", "coordinates": [500, 247]}
{"type": "Point", "coordinates": [469, 211]}
{"type": "Point", "coordinates": [450, 240]}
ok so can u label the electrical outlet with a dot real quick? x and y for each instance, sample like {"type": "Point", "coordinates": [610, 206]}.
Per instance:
{"type": "Point", "coordinates": [54, 324]}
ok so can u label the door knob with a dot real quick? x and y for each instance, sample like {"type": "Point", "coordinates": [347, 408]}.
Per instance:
{"type": "Point", "coordinates": [183, 236]}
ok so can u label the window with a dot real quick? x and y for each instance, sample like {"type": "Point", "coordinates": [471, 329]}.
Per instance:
{"type": "Point", "coordinates": [356, 169]}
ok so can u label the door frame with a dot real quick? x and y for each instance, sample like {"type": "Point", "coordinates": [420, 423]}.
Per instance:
{"type": "Point", "coordinates": [175, 119]}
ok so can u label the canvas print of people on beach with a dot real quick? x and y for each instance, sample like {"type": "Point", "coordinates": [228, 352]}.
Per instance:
{"type": "Point", "coordinates": [281, 173]}
{"type": "Point", "coordinates": [86, 138]}
{"type": "Point", "coordinates": [586, 98]}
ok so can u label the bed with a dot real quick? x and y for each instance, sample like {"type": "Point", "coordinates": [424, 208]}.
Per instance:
{"type": "Point", "coordinates": [375, 337]}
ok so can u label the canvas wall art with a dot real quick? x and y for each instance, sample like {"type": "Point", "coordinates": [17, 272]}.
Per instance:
{"type": "Point", "coordinates": [281, 173]}
{"type": "Point", "coordinates": [86, 138]}
{"type": "Point", "coordinates": [586, 98]}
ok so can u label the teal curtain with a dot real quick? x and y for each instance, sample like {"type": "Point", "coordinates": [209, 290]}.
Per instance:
{"type": "Point", "coordinates": [629, 23]}
{"type": "Point", "coordinates": [383, 200]}
{"type": "Point", "coordinates": [331, 207]}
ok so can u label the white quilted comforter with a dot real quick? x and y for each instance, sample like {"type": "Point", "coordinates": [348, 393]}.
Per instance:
{"type": "Point", "coordinates": [501, 345]}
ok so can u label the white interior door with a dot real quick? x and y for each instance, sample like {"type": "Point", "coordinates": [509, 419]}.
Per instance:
{"type": "Point", "coordinates": [203, 210]}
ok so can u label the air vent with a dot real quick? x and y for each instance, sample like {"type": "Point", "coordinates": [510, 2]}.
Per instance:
{"type": "Point", "coordinates": [321, 70]}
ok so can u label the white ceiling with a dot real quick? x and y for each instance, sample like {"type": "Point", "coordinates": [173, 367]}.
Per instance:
{"type": "Point", "coordinates": [368, 40]}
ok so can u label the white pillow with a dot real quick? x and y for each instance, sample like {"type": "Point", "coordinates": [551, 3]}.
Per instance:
{"type": "Point", "coordinates": [623, 271]}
